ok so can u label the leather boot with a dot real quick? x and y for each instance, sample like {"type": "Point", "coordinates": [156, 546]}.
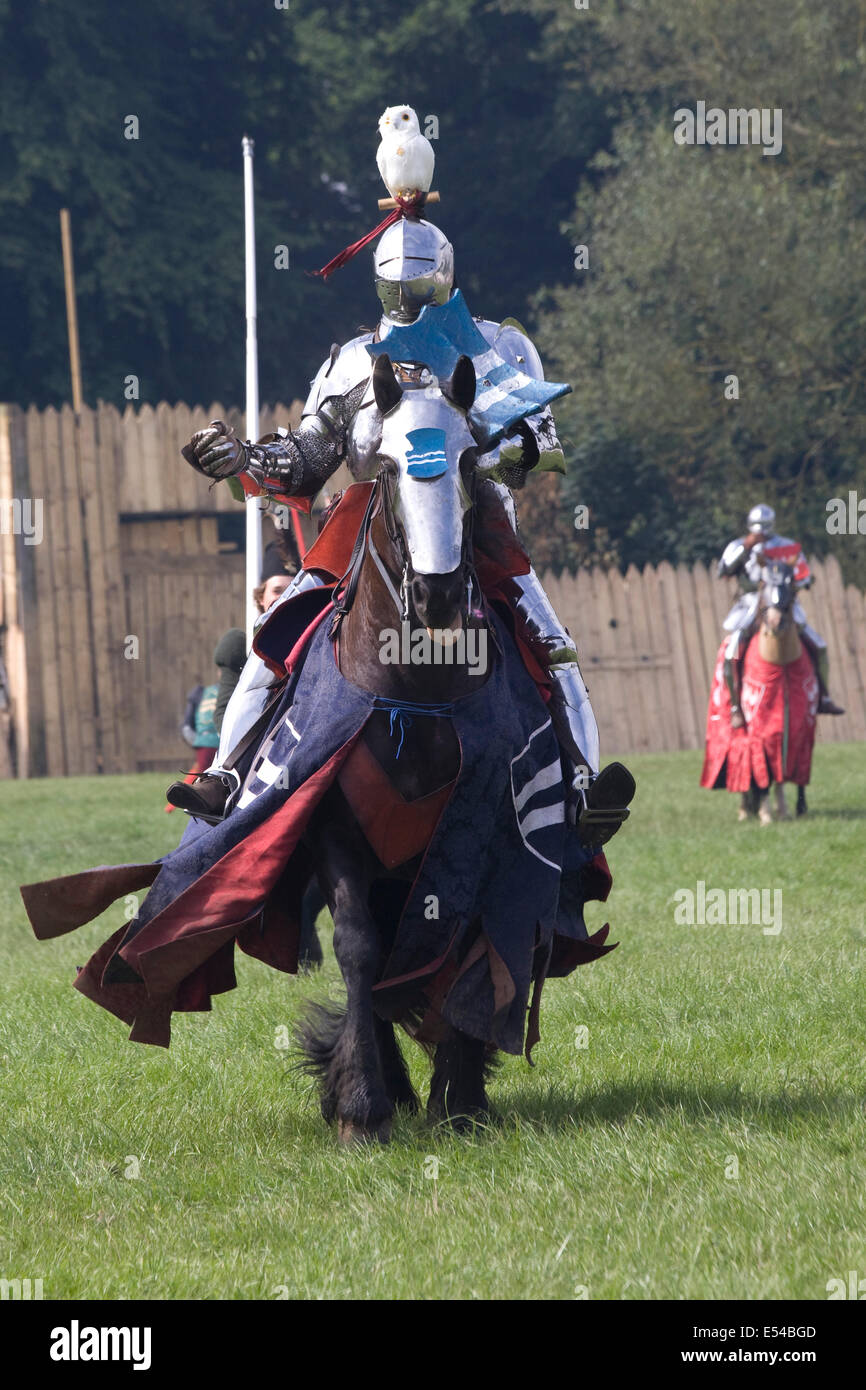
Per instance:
{"type": "Point", "coordinates": [606, 805]}
{"type": "Point", "coordinates": [205, 798]}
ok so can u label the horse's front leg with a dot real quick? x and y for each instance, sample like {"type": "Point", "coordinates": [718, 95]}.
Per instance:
{"type": "Point", "coordinates": [348, 1061]}
{"type": "Point", "coordinates": [457, 1088]}
{"type": "Point", "coordinates": [394, 1070]}
{"type": "Point", "coordinates": [362, 1105]}
{"type": "Point", "coordinates": [765, 815]}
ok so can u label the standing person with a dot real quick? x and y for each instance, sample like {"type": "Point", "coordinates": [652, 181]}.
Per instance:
{"type": "Point", "coordinates": [231, 650]}
{"type": "Point", "coordinates": [206, 704]}
{"type": "Point", "coordinates": [198, 725]}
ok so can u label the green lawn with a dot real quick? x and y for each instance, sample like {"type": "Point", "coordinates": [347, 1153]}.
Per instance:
{"type": "Point", "coordinates": [610, 1168]}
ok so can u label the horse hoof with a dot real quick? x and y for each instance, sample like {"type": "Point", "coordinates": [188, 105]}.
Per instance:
{"type": "Point", "coordinates": [410, 1103]}
{"type": "Point", "coordinates": [350, 1134]}
{"type": "Point", "coordinates": [742, 815]}
{"type": "Point", "coordinates": [765, 818]}
{"type": "Point", "coordinates": [464, 1124]}
{"type": "Point", "coordinates": [465, 1121]}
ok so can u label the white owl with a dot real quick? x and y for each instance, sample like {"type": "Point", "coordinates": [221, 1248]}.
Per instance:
{"type": "Point", "coordinates": [405, 156]}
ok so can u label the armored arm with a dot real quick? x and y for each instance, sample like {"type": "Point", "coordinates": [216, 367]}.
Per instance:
{"type": "Point", "coordinates": [295, 464]}
{"type": "Point", "coordinates": [534, 443]}
{"type": "Point", "coordinates": [735, 556]}
{"type": "Point", "coordinates": [299, 463]}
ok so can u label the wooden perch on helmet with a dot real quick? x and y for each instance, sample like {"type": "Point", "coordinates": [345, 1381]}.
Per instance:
{"type": "Point", "coordinates": [387, 203]}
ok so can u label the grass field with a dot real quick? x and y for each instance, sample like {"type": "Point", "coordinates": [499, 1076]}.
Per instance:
{"type": "Point", "coordinates": [707, 1141]}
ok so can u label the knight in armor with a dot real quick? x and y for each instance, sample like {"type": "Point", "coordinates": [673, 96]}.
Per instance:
{"type": "Point", "coordinates": [745, 558]}
{"type": "Point", "coordinates": [414, 267]}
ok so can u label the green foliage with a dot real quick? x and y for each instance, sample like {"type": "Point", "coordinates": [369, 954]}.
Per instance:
{"type": "Point", "coordinates": [704, 262]}
{"type": "Point", "coordinates": [158, 221]}
{"type": "Point", "coordinates": [708, 263]}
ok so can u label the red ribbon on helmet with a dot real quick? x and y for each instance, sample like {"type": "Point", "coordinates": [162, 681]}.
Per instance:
{"type": "Point", "coordinates": [406, 207]}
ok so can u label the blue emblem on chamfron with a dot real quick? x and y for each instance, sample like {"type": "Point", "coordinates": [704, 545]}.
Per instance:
{"type": "Point", "coordinates": [426, 453]}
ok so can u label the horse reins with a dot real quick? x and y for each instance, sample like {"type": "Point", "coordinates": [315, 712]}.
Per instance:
{"type": "Point", "coordinates": [352, 576]}
{"type": "Point", "coordinates": [401, 711]}
{"type": "Point", "coordinates": [347, 586]}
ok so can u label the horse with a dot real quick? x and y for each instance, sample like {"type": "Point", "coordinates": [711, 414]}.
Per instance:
{"type": "Point", "coordinates": [406, 754]}
{"type": "Point", "coordinates": [777, 643]}
{"type": "Point", "coordinates": [771, 743]}
{"type": "Point", "coordinates": [414, 573]}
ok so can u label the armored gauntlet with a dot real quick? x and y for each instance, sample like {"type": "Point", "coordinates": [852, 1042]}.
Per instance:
{"type": "Point", "coordinates": [216, 451]}
{"type": "Point", "coordinates": [291, 463]}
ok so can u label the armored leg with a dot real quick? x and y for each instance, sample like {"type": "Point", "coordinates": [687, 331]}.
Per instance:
{"type": "Point", "coordinates": [256, 680]}
{"type": "Point", "coordinates": [208, 795]}
{"type": "Point", "coordinates": [599, 801]}
{"type": "Point", "coordinates": [735, 648]}
{"type": "Point", "coordinates": [570, 708]}
{"type": "Point", "coordinates": [817, 649]}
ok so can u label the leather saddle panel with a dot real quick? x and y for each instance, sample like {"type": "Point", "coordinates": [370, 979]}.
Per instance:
{"type": "Point", "coordinates": [396, 829]}
{"type": "Point", "coordinates": [499, 554]}
{"type": "Point", "coordinates": [332, 549]}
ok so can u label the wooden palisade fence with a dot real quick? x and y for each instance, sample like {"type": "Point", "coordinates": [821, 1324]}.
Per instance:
{"type": "Point", "coordinates": [113, 617]}
{"type": "Point", "coordinates": [648, 642]}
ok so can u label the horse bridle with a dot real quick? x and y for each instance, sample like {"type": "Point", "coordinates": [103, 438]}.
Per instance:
{"type": "Point", "coordinates": [346, 586]}
{"type": "Point", "coordinates": [397, 539]}
{"type": "Point", "coordinates": [381, 500]}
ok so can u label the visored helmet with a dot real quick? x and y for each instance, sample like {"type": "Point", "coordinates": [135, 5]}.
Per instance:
{"type": "Point", "coordinates": [762, 518]}
{"type": "Point", "coordinates": [414, 266]}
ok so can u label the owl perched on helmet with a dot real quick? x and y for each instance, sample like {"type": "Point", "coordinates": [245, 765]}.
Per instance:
{"type": "Point", "coordinates": [405, 157]}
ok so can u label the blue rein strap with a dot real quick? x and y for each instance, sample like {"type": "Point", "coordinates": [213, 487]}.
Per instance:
{"type": "Point", "coordinates": [401, 712]}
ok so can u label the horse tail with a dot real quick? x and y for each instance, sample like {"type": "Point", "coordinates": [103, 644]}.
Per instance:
{"type": "Point", "coordinates": [318, 1037]}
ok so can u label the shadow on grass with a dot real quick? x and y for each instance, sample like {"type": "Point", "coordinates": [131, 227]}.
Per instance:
{"type": "Point", "coordinates": [618, 1105]}
{"type": "Point", "coordinates": [548, 1111]}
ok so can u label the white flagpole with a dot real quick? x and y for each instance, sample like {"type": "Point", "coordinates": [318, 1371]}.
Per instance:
{"type": "Point", "coordinates": [253, 508]}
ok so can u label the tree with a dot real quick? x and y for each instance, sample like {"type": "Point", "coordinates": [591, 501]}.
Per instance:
{"type": "Point", "coordinates": [158, 219]}
{"type": "Point", "coordinates": [713, 263]}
